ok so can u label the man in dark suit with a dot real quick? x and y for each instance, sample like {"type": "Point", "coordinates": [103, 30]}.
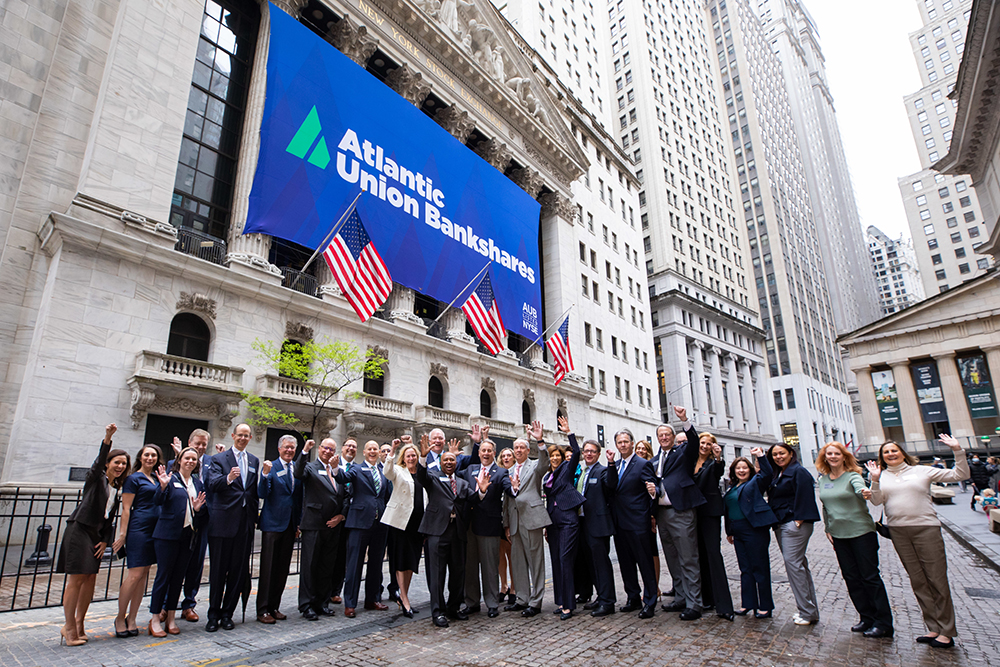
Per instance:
{"type": "Point", "coordinates": [597, 483]}
{"type": "Point", "coordinates": [630, 508]}
{"type": "Point", "coordinates": [279, 523]}
{"type": "Point", "coordinates": [348, 451]}
{"type": "Point", "coordinates": [445, 525]}
{"type": "Point", "coordinates": [485, 528]}
{"type": "Point", "coordinates": [676, 518]}
{"type": "Point", "coordinates": [232, 501]}
{"type": "Point", "coordinates": [365, 533]}
{"type": "Point", "coordinates": [322, 525]}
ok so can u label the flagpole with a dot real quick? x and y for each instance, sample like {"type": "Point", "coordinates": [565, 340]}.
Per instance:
{"type": "Point", "coordinates": [460, 292]}
{"type": "Point", "coordinates": [559, 320]}
{"type": "Point", "coordinates": [336, 228]}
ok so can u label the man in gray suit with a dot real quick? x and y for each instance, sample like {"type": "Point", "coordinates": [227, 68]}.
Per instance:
{"type": "Point", "coordinates": [525, 517]}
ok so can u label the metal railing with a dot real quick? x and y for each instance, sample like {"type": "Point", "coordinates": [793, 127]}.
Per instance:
{"type": "Point", "coordinates": [201, 245]}
{"type": "Point", "coordinates": [298, 281]}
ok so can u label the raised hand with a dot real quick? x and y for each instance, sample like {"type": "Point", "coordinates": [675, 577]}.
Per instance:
{"type": "Point", "coordinates": [234, 472]}
{"type": "Point", "coordinates": [425, 445]}
{"type": "Point", "coordinates": [563, 424]}
{"type": "Point", "coordinates": [874, 470]}
{"type": "Point", "coordinates": [396, 444]}
{"type": "Point", "coordinates": [454, 446]}
{"type": "Point", "coordinates": [164, 477]}
{"type": "Point", "coordinates": [109, 431]}
{"type": "Point", "coordinates": [199, 501]}
{"type": "Point", "coordinates": [407, 439]}
{"type": "Point", "coordinates": [534, 430]}
{"type": "Point", "coordinates": [717, 451]}
{"type": "Point", "coordinates": [265, 468]}
{"type": "Point", "coordinates": [681, 413]}
{"type": "Point", "coordinates": [485, 430]}
{"type": "Point", "coordinates": [177, 445]}
{"type": "Point", "coordinates": [220, 447]}
{"type": "Point", "coordinates": [757, 451]}
{"type": "Point", "coordinates": [476, 434]}
{"type": "Point", "coordinates": [334, 461]}
{"type": "Point", "coordinates": [950, 441]}
{"type": "Point", "coordinates": [610, 453]}
{"type": "Point", "coordinates": [483, 483]}
{"type": "Point", "coordinates": [308, 446]}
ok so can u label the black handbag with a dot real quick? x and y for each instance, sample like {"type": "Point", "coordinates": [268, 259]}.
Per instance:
{"type": "Point", "coordinates": [881, 528]}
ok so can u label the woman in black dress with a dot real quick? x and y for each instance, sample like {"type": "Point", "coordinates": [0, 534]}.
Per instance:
{"type": "Point", "coordinates": [135, 532]}
{"type": "Point", "coordinates": [708, 471]}
{"type": "Point", "coordinates": [88, 531]}
{"type": "Point", "coordinates": [403, 513]}
{"type": "Point", "coordinates": [645, 451]}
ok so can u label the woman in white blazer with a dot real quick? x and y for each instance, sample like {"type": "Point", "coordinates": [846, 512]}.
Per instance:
{"type": "Point", "coordinates": [403, 515]}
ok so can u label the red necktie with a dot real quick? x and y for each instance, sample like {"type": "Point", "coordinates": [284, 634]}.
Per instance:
{"type": "Point", "coordinates": [454, 486]}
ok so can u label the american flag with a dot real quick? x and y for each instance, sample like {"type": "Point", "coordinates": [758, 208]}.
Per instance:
{"type": "Point", "coordinates": [558, 345]}
{"type": "Point", "coordinates": [358, 268]}
{"type": "Point", "coordinates": [483, 312]}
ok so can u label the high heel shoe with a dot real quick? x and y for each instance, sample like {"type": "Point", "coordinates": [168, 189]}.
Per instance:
{"type": "Point", "coordinates": [122, 634]}
{"type": "Point", "coordinates": [153, 633]}
{"type": "Point", "coordinates": [743, 612]}
{"type": "Point", "coordinates": [68, 641]}
{"type": "Point", "coordinates": [407, 612]}
{"type": "Point", "coordinates": [173, 630]}
{"type": "Point", "coordinates": [762, 614]}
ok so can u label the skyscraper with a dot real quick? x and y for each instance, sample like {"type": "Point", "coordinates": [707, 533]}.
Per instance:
{"type": "Point", "coordinates": [894, 266]}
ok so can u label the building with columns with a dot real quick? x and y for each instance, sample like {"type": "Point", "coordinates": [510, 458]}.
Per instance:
{"type": "Point", "coordinates": [131, 294]}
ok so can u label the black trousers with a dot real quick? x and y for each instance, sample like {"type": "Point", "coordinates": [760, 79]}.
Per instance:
{"type": "Point", "coordinates": [858, 558]}
{"type": "Point", "coordinates": [755, 564]}
{"type": "Point", "coordinates": [359, 542]}
{"type": "Point", "coordinates": [340, 562]}
{"type": "Point", "coordinates": [635, 550]}
{"type": "Point", "coordinates": [563, 540]}
{"type": "Point", "coordinates": [446, 557]}
{"type": "Point", "coordinates": [393, 586]}
{"type": "Point", "coordinates": [275, 560]}
{"type": "Point", "coordinates": [583, 566]}
{"type": "Point", "coordinates": [228, 574]}
{"type": "Point", "coordinates": [172, 558]}
{"type": "Point", "coordinates": [599, 551]}
{"type": "Point", "coordinates": [320, 549]}
{"type": "Point", "coordinates": [195, 568]}
{"type": "Point", "coordinates": [714, 583]}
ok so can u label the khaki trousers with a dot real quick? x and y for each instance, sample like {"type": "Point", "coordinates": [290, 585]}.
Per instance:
{"type": "Point", "coordinates": [921, 550]}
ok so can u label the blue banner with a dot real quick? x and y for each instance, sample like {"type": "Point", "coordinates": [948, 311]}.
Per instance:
{"type": "Point", "coordinates": [435, 210]}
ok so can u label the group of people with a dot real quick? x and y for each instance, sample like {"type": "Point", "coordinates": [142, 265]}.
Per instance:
{"type": "Point", "coordinates": [473, 517]}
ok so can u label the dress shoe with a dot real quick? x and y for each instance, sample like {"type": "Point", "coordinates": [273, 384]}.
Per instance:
{"type": "Point", "coordinates": [155, 633]}
{"type": "Point", "coordinates": [565, 615]}
{"type": "Point", "coordinates": [408, 613]}
{"type": "Point", "coordinates": [648, 611]}
{"type": "Point", "coordinates": [375, 606]}
{"type": "Point", "coordinates": [590, 606]}
{"type": "Point", "coordinates": [458, 615]}
{"type": "Point", "coordinates": [278, 616]}
{"type": "Point", "coordinates": [328, 611]}
{"type": "Point", "coordinates": [265, 618]}
{"type": "Point", "coordinates": [531, 611]}
{"type": "Point", "coordinates": [173, 630]}
{"type": "Point", "coordinates": [515, 607]}
{"type": "Point", "coordinates": [336, 599]}
{"type": "Point", "coordinates": [474, 609]}
{"type": "Point", "coordinates": [190, 615]}
{"type": "Point", "coordinates": [227, 624]}
{"type": "Point", "coordinates": [669, 594]}
{"type": "Point", "coordinates": [729, 617]}
{"type": "Point", "coordinates": [122, 634]}
{"type": "Point", "coordinates": [212, 625]}
{"type": "Point", "coordinates": [763, 614]}
{"type": "Point", "coordinates": [934, 643]}
{"type": "Point", "coordinates": [630, 606]}
{"type": "Point", "coordinates": [556, 611]}
{"type": "Point", "coordinates": [394, 597]}
{"type": "Point", "coordinates": [441, 621]}
{"type": "Point", "coordinates": [876, 632]}
{"type": "Point", "coordinates": [310, 615]}
{"type": "Point", "coordinates": [582, 600]}
{"type": "Point", "coordinates": [743, 612]}
{"type": "Point", "coordinates": [493, 612]}
{"type": "Point", "coordinates": [924, 639]}
{"type": "Point", "coordinates": [861, 627]}
{"type": "Point", "coordinates": [603, 610]}
{"type": "Point", "coordinates": [690, 615]}
{"type": "Point", "coordinates": [674, 606]}
{"type": "Point", "coordinates": [349, 612]}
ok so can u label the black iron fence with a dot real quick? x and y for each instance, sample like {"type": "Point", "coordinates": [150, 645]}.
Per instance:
{"type": "Point", "coordinates": [32, 524]}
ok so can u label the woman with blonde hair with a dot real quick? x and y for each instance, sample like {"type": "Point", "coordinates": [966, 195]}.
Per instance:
{"type": "Point", "coordinates": [403, 514]}
{"type": "Point", "coordinates": [851, 531]}
{"type": "Point", "coordinates": [505, 459]}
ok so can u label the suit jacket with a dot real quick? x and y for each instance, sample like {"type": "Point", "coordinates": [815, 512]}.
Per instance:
{"type": "Point", "coordinates": [792, 495]}
{"type": "Point", "coordinates": [597, 491]}
{"type": "Point", "coordinates": [486, 514]}
{"type": "Point", "coordinates": [631, 504]}
{"type": "Point", "coordinates": [751, 496]}
{"type": "Point", "coordinates": [228, 503]}
{"type": "Point", "coordinates": [367, 504]}
{"type": "Point", "coordinates": [674, 471]}
{"type": "Point", "coordinates": [442, 502]}
{"type": "Point", "coordinates": [90, 511]}
{"type": "Point", "coordinates": [561, 496]}
{"type": "Point", "coordinates": [282, 498]}
{"type": "Point", "coordinates": [707, 480]}
{"type": "Point", "coordinates": [320, 502]}
{"type": "Point", "coordinates": [173, 501]}
{"type": "Point", "coordinates": [401, 500]}
{"type": "Point", "coordinates": [527, 509]}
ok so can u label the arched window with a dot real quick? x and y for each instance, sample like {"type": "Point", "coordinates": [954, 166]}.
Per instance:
{"type": "Point", "coordinates": [189, 337]}
{"type": "Point", "coordinates": [485, 404]}
{"type": "Point", "coordinates": [375, 386]}
{"type": "Point", "coordinates": [525, 412]}
{"type": "Point", "coordinates": [291, 359]}
{"type": "Point", "coordinates": [560, 413]}
{"type": "Point", "coordinates": [435, 393]}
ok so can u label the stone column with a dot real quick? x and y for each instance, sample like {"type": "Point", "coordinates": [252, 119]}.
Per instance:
{"type": "Point", "coordinates": [733, 389]}
{"type": "Point", "coordinates": [762, 400]}
{"type": "Point", "coordinates": [959, 417]}
{"type": "Point", "coordinates": [749, 404]}
{"type": "Point", "coordinates": [409, 84]}
{"type": "Point", "coordinates": [698, 385]}
{"type": "Point", "coordinates": [992, 353]}
{"type": "Point", "coordinates": [454, 324]}
{"type": "Point", "coordinates": [400, 305]}
{"type": "Point", "coordinates": [353, 40]}
{"type": "Point", "coordinates": [909, 409]}
{"type": "Point", "coordinates": [871, 420]}
{"type": "Point", "coordinates": [681, 379]}
{"type": "Point", "coordinates": [715, 374]}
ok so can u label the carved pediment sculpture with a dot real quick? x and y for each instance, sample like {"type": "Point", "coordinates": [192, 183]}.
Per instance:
{"type": "Point", "coordinates": [298, 331]}
{"type": "Point", "coordinates": [439, 370]}
{"type": "Point", "coordinates": [198, 303]}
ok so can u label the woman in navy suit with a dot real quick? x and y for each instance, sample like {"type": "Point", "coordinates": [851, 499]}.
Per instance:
{"type": "Point", "coordinates": [562, 501]}
{"type": "Point", "coordinates": [135, 532]}
{"type": "Point", "coordinates": [181, 497]}
{"type": "Point", "coordinates": [748, 519]}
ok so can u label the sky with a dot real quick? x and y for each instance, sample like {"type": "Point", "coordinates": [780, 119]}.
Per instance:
{"type": "Point", "coordinates": [870, 67]}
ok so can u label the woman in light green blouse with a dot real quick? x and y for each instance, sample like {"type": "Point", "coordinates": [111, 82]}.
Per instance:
{"type": "Point", "coordinates": [851, 531]}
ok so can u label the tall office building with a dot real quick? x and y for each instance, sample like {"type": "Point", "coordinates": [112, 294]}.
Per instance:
{"type": "Point", "coordinates": [894, 267]}
{"type": "Point", "coordinates": [794, 39]}
{"type": "Point", "coordinates": [946, 221]}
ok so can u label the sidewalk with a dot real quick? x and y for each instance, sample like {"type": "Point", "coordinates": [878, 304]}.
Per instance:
{"type": "Point", "coordinates": [971, 528]}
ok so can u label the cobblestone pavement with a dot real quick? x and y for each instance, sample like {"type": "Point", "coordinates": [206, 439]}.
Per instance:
{"type": "Point", "coordinates": [384, 638]}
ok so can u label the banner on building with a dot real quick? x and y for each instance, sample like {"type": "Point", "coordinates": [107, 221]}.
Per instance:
{"type": "Point", "coordinates": [976, 383]}
{"type": "Point", "coordinates": [886, 398]}
{"type": "Point", "coordinates": [929, 394]}
{"type": "Point", "coordinates": [435, 210]}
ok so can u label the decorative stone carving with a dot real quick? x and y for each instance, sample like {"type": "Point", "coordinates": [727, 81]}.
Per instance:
{"type": "Point", "coordinates": [561, 404]}
{"type": "Point", "coordinates": [198, 303]}
{"type": "Point", "coordinates": [292, 7]}
{"type": "Point", "coordinates": [489, 383]}
{"type": "Point", "coordinates": [528, 395]}
{"type": "Point", "coordinates": [535, 359]}
{"type": "Point", "coordinates": [143, 396]}
{"type": "Point", "coordinates": [439, 370]}
{"type": "Point", "coordinates": [298, 331]}
{"type": "Point", "coordinates": [456, 121]}
{"type": "Point", "coordinates": [409, 84]}
{"type": "Point", "coordinates": [400, 305]}
{"type": "Point", "coordinates": [554, 203]}
{"type": "Point", "coordinates": [353, 40]}
{"type": "Point", "coordinates": [528, 180]}
{"type": "Point", "coordinates": [542, 161]}
{"type": "Point", "coordinates": [185, 405]}
{"type": "Point", "coordinates": [455, 325]}
{"type": "Point", "coordinates": [227, 412]}
{"type": "Point", "coordinates": [495, 152]}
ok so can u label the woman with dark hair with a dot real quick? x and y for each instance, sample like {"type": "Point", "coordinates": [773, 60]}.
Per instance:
{"type": "Point", "coordinates": [135, 532]}
{"type": "Point", "coordinates": [563, 501]}
{"type": "Point", "coordinates": [851, 531]}
{"type": "Point", "coordinates": [916, 530]}
{"type": "Point", "coordinates": [708, 471]}
{"type": "Point", "coordinates": [88, 531]}
{"type": "Point", "coordinates": [748, 520]}
{"type": "Point", "coordinates": [181, 497]}
{"type": "Point", "coordinates": [792, 498]}
{"type": "Point", "coordinates": [644, 450]}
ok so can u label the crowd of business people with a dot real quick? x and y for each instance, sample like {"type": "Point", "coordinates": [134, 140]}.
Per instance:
{"type": "Point", "coordinates": [460, 513]}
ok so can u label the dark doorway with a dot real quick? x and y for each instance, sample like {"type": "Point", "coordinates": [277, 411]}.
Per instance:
{"type": "Point", "coordinates": [161, 429]}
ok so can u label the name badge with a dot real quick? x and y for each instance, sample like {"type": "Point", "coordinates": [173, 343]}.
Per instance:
{"type": "Point", "coordinates": [252, 469]}
{"type": "Point", "coordinates": [591, 481]}
{"type": "Point", "coordinates": [322, 471]}
{"type": "Point", "coordinates": [444, 478]}
{"type": "Point", "coordinates": [282, 473]}
{"type": "Point", "coordinates": [828, 485]}
{"type": "Point", "coordinates": [178, 485]}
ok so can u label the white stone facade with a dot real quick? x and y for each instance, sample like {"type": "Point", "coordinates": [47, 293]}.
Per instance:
{"type": "Point", "coordinates": [894, 267]}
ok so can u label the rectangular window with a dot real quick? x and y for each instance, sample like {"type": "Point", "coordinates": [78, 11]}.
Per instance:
{"type": "Point", "coordinates": [602, 384]}
{"type": "Point", "coordinates": [778, 405]}
{"type": "Point", "coordinates": [956, 237]}
{"type": "Point", "coordinates": [587, 334]}
{"type": "Point", "coordinates": [599, 339]}
{"type": "Point", "coordinates": [590, 376]}
{"type": "Point", "coordinates": [963, 268]}
{"type": "Point", "coordinates": [939, 274]}
{"type": "Point", "coordinates": [790, 398]}
{"type": "Point", "coordinates": [618, 387]}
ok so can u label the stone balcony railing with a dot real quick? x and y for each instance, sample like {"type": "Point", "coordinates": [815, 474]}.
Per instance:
{"type": "Point", "coordinates": [499, 428]}
{"type": "Point", "coordinates": [167, 367]}
{"type": "Point", "coordinates": [381, 406]}
{"type": "Point", "coordinates": [285, 389]}
{"type": "Point", "coordinates": [439, 417]}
